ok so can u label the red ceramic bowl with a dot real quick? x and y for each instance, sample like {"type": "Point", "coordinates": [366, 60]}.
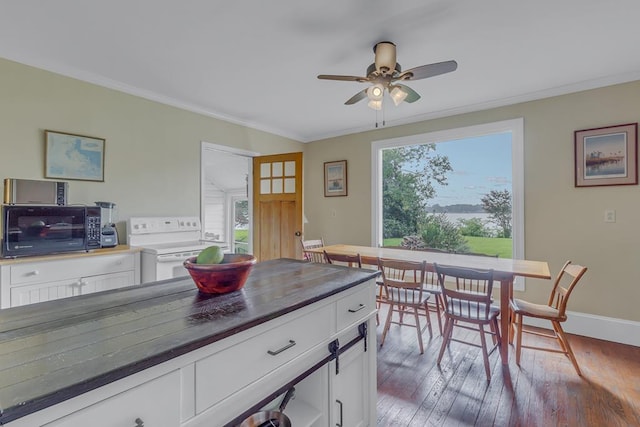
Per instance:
{"type": "Point", "coordinates": [228, 276]}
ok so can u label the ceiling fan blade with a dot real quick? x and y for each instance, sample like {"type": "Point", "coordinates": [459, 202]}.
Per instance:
{"type": "Point", "coordinates": [357, 97]}
{"type": "Point", "coordinates": [343, 78]}
{"type": "Point", "coordinates": [429, 70]}
{"type": "Point", "coordinates": [412, 95]}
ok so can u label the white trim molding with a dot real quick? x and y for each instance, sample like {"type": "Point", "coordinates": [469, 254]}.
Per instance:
{"type": "Point", "coordinates": [594, 326]}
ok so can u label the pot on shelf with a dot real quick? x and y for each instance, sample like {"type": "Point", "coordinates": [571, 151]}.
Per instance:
{"type": "Point", "coordinates": [271, 418]}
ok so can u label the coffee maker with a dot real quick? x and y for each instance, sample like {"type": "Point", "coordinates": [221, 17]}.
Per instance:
{"type": "Point", "coordinates": [108, 232]}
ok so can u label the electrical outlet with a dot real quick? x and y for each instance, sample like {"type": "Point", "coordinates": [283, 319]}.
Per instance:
{"type": "Point", "coordinates": [609, 215]}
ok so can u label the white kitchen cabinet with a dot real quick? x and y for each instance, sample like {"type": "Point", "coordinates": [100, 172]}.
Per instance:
{"type": "Point", "coordinates": [349, 392]}
{"type": "Point", "coordinates": [28, 281]}
{"type": "Point", "coordinates": [155, 403]}
{"type": "Point", "coordinates": [212, 385]}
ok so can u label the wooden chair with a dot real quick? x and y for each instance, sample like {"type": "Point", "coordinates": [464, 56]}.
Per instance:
{"type": "Point", "coordinates": [403, 285]}
{"type": "Point", "coordinates": [554, 311]}
{"type": "Point", "coordinates": [340, 259]}
{"type": "Point", "coordinates": [436, 304]}
{"type": "Point", "coordinates": [467, 299]}
{"type": "Point", "coordinates": [431, 285]}
{"type": "Point", "coordinates": [312, 256]}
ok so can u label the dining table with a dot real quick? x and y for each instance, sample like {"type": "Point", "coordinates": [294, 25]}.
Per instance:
{"type": "Point", "coordinates": [505, 271]}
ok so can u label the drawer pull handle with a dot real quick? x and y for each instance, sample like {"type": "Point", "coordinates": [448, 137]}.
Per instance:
{"type": "Point", "coordinates": [280, 350]}
{"type": "Point", "coordinates": [354, 310]}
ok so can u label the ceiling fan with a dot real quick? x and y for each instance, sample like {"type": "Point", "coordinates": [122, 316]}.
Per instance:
{"type": "Point", "coordinates": [385, 73]}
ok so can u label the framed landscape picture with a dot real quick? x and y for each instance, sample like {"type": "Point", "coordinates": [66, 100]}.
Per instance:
{"type": "Point", "coordinates": [70, 156]}
{"type": "Point", "coordinates": [606, 156]}
{"type": "Point", "coordinates": [335, 178]}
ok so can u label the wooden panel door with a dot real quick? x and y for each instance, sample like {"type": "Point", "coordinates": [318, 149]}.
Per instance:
{"type": "Point", "coordinates": [277, 206]}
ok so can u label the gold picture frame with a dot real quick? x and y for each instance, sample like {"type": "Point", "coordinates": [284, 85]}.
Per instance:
{"type": "Point", "coordinates": [71, 156]}
{"type": "Point", "coordinates": [335, 178]}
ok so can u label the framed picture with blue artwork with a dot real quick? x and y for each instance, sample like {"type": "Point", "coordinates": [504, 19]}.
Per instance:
{"type": "Point", "coordinates": [70, 156]}
{"type": "Point", "coordinates": [607, 156]}
{"type": "Point", "coordinates": [335, 178]}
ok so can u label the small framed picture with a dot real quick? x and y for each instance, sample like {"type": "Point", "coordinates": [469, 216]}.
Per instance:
{"type": "Point", "coordinates": [606, 156]}
{"type": "Point", "coordinates": [70, 156]}
{"type": "Point", "coordinates": [335, 178]}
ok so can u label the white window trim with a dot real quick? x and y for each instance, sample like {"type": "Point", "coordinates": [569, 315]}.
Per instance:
{"type": "Point", "coordinates": [232, 196]}
{"type": "Point", "coordinates": [514, 126]}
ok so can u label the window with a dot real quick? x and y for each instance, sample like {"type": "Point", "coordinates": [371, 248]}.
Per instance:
{"type": "Point", "coordinates": [449, 143]}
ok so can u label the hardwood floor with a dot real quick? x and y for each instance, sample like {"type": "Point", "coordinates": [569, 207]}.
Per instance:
{"type": "Point", "coordinates": [544, 391]}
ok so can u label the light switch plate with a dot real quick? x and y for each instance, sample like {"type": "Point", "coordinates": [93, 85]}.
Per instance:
{"type": "Point", "coordinates": [609, 215]}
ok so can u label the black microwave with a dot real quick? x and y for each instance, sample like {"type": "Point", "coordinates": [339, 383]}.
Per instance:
{"type": "Point", "coordinates": [43, 230]}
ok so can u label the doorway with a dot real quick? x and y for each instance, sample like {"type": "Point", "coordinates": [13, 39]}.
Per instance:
{"type": "Point", "coordinates": [226, 208]}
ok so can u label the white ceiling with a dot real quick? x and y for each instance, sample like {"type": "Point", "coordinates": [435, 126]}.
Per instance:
{"type": "Point", "coordinates": [255, 62]}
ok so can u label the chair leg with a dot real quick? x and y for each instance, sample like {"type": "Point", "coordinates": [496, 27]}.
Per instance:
{"type": "Point", "coordinates": [439, 314]}
{"type": "Point", "coordinates": [448, 327]}
{"type": "Point", "coordinates": [512, 322]}
{"type": "Point", "coordinates": [563, 338]}
{"type": "Point", "coordinates": [518, 324]}
{"type": "Point", "coordinates": [494, 334]}
{"type": "Point", "coordinates": [418, 329]}
{"type": "Point", "coordinates": [426, 309]}
{"type": "Point", "coordinates": [496, 337]}
{"type": "Point", "coordinates": [485, 353]}
{"type": "Point", "coordinates": [497, 332]}
{"type": "Point", "coordinates": [387, 324]}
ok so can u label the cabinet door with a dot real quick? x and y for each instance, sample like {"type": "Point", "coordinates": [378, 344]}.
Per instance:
{"type": "Point", "coordinates": [350, 388]}
{"type": "Point", "coordinates": [41, 292]}
{"type": "Point", "coordinates": [105, 282]}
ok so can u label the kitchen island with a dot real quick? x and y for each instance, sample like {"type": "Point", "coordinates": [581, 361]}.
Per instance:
{"type": "Point", "coordinates": [166, 355]}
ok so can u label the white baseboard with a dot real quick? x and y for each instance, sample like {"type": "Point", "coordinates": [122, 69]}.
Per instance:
{"type": "Point", "coordinates": [594, 326]}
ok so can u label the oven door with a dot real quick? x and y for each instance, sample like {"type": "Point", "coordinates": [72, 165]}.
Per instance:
{"type": "Point", "coordinates": [166, 266]}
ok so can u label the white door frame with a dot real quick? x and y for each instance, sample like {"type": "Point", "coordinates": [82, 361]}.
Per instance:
{"type": "Point", "coordinates": [209, 146]}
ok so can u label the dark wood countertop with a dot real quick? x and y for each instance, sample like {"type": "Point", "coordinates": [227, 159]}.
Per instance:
{"type": "Point", "coordinates": [53, 351]}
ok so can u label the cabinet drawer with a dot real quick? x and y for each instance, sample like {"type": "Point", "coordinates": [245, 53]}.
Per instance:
{"type": "Point", "coordinates": [155, 403]}
{"type": "Point", "coordinates": [356, 307]}
{"type": "Point", "coordinates": [224, 373]}
{"type": "Point", "coordinates": [49, 271]}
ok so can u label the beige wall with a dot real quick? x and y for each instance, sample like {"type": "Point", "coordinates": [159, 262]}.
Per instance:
{"type": "Point", "coordinates": [152, 151]}
{"type": "Point", "coordinates": [153, 168]}
{"type": "Point", "coordinates": [561, 221]}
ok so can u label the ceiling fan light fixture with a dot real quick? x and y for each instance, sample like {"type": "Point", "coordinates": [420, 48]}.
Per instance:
{"type": "Point", "coordinates": [375, 104]}
{"type": "Point", "coordinates": [375, 92]}
{"type": "Point", "coordinates": [398, 95]}
{"type": "Point", "coordinates": [385, 57]}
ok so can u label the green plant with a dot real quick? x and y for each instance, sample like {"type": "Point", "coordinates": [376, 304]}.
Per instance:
{"type": "Point", "coordinates": [440, 233]}
{"type": "Point", "coordinates": [473, 227]}
{"type": "Point", "coordinates": [498, 205]}
{"type": "Point", "coordinates": [408, 177]}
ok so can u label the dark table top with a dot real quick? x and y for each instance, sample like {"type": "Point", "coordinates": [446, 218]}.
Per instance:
{"type": "Point", "coordinates": [53, 351]}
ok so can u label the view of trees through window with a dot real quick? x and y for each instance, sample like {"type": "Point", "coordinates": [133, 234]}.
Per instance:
{"type": "Point", "coordinates": [454, 195]}
{"type": "Point", "coordinates": [241, 226]}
